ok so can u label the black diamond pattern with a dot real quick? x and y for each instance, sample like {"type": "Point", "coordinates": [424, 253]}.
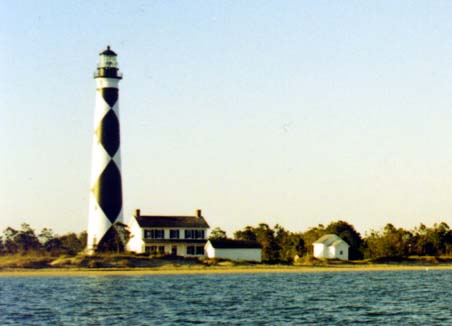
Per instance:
{"type": "Point", "coordinates": [108, 191]}
{"type": "Point", "coordinates": [110, 95]}
{"type": "Point", "coordinates": [108, 132]}
{"type": "Point", "coordinates": [109, 242]}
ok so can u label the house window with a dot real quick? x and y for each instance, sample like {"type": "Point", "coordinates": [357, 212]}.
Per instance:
{"type": "Point", "coordinates": [151, 250]}
{"type": "Point", "coordinates": [155, 249]}
{"type": "Point", "coordinates": [174, 234]}
{"type": "Point", "coordinates": [200, 250]}
{"type": "Point", "coordinates": [190, 250]}
{"type": "Point", "coordinates": [194, 234]}
{"type": "Point", "coordinates": [154, 234]}
{"type": "Point", "coordinates": [341, 253]}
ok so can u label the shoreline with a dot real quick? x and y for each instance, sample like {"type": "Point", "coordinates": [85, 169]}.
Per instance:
{"type": "Point", "coordinates": [77, 272]}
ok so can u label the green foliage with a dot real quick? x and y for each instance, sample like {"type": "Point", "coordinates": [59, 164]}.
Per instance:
{"type": "Point", "coordinates": [248, 233]}
{"type": "Point", "coordinates": [265, 236]}
{"type": "Point", "coordinates": [26, 241]}
{"type": "Point", "coordinates": [2, 246]}
{"type": "Point", "coordinates": [217, 234]}
{"type": "Point", "coordinates": [421, 241]}
{"type": "Point", "coordinates": [348, 233]}
{"type": "Point", "coordinates": [290, 244]}
{"type": "Point", "coordinates": [21, 241]}
{"type": "Point", "coordinates": [277, 244]}
{"type": "Point", "coordinates": [391, 242]}
{"type": "Point", "coordinates": [310, 236]}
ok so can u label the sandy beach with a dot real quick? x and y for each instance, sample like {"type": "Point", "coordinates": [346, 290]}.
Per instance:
{"type": "Point", "coordinates": [65, 272]}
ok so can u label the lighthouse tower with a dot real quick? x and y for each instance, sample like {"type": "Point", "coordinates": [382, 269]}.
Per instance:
{"type": "Point", "coordinates": [105, 206]}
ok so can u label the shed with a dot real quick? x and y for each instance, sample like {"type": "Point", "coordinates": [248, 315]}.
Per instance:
{"type": "Point", "coordinates": [234, 249]}
{"type": "Point", "coordinates": [331, 246]}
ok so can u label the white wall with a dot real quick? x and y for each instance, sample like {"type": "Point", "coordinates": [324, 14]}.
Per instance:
{"type": "Point", "coordinates": [136, 243]}
{"type": "Point", "coordinates": [249, 254]}
{"type": "Point", "coordinates": [320, 251]}
{"type": "Point", "coordinates": [340, 251]}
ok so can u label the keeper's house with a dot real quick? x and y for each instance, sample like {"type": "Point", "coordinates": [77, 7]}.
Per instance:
{"type": "Point", "coordinates": [234, 249]}
{"type": "Point", "coordinates": [168, 235]}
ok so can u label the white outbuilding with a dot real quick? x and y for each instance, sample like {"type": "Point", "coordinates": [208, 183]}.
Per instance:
{"type": "Point", "coordinates": [331, 246]}
{"type": "Point", "coordinates": [234, 250]}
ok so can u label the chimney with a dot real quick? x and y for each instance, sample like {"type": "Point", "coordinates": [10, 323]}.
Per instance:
{"type": "Point", "coordinates": [137, 212]}
{"type": "Point", "coordinates": [198, 213]}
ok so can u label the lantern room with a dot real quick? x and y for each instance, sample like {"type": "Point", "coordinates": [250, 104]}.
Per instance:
{"type": "Point", "coordinates": [108, 65]}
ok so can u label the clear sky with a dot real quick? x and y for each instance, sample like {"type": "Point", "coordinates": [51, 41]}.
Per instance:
{"type": "Point", "coordinates": [288, 112]}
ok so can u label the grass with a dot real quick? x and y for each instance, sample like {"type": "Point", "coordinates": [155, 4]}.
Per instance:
{"type": "Point", "coordinates": [36, 261]}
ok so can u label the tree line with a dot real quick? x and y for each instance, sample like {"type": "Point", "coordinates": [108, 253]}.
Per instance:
{"type": "Point", "coordinates": [26, 241]}
{"type": "Point", "coordinates": [278, 244]}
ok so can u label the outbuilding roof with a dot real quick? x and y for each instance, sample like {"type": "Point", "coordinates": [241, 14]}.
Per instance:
{"type": "Point", "coordinates": [234, 244]}
{"type": "Point", "coordinates": [330, 240]}
{"type": "Point", "coordinates": [162, 221]}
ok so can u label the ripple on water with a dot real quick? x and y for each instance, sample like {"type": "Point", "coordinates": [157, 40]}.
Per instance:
{"type": "Point", "coordinates": [409, 298]}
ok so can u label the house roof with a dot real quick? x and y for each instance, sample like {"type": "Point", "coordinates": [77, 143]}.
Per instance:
{"type": "Point", "coordinates": [234, 244]}
{"type": "Point", "coordinates": [330, 240]}
{"type": "Point", "coordinates": [162, 221]}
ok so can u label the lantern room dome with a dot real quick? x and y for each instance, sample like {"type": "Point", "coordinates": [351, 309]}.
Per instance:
{"type": "Point", "coordinates": [108, 52]}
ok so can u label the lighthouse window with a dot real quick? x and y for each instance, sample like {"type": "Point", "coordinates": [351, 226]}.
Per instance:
{"type": "Point", "coordinates": [154, 234]}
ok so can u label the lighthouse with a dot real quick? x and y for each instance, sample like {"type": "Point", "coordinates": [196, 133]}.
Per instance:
{"type": "Point", "coordinates": [105, 198]}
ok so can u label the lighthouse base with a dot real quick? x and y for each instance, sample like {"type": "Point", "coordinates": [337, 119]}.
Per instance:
{"type": "Point", "coordinates": [113, 241]}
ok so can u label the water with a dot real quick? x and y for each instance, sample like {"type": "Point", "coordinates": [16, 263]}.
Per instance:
{"type": "Point", "coordinates": [342, 298]}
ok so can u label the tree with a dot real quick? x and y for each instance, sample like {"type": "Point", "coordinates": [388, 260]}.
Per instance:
{"type": "Point", "coordinates": [390, 242]}
{"type": "Point", "coordinates": [9, 243]}
{"type": "Point", "coordinates": [23, 241]}
{"type": "Point", "coordinates": [310, 236]}
{"type": "Point", "coordinates": [45, 235]}
{"type": "Point", "coordinates": [433, 241]}
{"type": "Point", "coordinates": [248, 233]}
{"type": "Point", "coordinates": [217, 234]}
{"type": "Point", "coordinates": [70, 244]}
{"type": "Point", "coordinates": [265, 236]}
{"type": "Point", "coordinates": [290, 244]}
{"type": "Point", "coordinates": [348, 233]}
{"type": "Point", "coordinates": [2, 246]}
{"type": "Point", "coordinates": [50, 242]}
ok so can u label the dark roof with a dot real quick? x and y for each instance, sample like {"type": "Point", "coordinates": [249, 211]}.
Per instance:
{"type": "Point", "coordinates": [234, 244]}
{"type": "Point", "coordinates": [161, 221]}
{"type": "Point", "coordinates": [108, 51]}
